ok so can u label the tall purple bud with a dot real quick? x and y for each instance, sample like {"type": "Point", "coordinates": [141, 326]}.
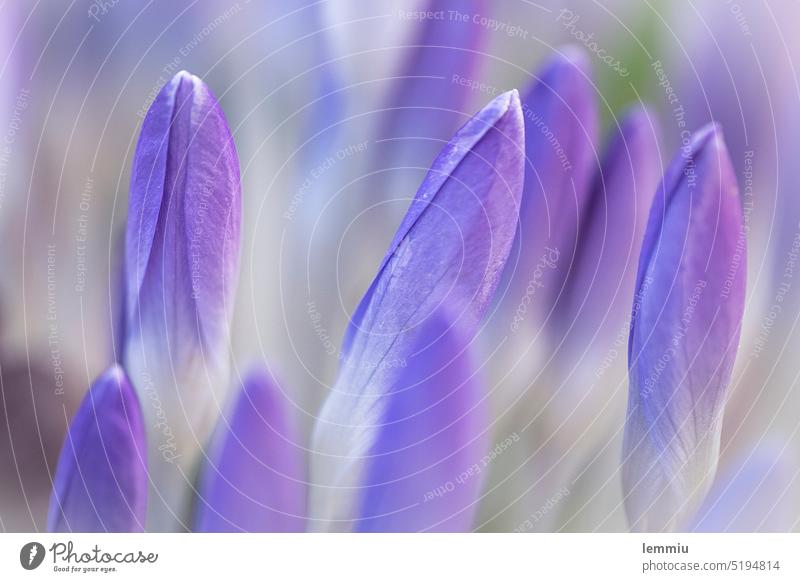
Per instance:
{"type": "Point", "coordinates": [687, 317]}
{"type": "Point", "coordinates": [182, 250]}
{"type": "Point", "coordinates": [406, 413]}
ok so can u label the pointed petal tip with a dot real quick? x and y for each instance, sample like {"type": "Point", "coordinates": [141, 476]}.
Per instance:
{"type": "Point", "coordinates": [640, 121]}
{"type": "Point", "coordinates": [114, 373]}
{"type": "Point", "coordinates": [184, 75]}
{"type": "Point", "coordinates": [503, 103]}
{"type": "Point", "coordinates": [510, 111]}
{"type": "Point", "coordinates": [513, 99]}
{"type": "Point", "coordinates": [710, 134]}
{"type": "Point", "coordinates": [569, 65]}
{"type": "Point", "coordinates": [181, 80]}
{"type": "Point", "coordinates": [183, 84]}
{"type": "Point", "coordinates": [705, 149]}
{"type": "Point", "coordinates": [571, 57]}
{"type": "Point", "coordinates": [639, 113]}
{"type": "Point", "coordinates": [718, 142]}
{"type": "Point", "coordinates": [509, 96]}
{"type": "Point", "coordinates": [112, 385]}
{"type": "Point", "coordinates": [710, 140]}
{"type": "Point", "coordinates": [259, 386]}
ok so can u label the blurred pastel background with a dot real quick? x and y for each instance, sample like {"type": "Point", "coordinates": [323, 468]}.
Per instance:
{"type": "Point", "coordinates": [306, 87]}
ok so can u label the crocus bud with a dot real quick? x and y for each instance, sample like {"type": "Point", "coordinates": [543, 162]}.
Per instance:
{"type": "Point", "coordinates": [100, 484]}
{"type": "Point", "coordinates": [560, 133]}
{"type": "Point", "coordinates": [182, 249]}
{"type": "Point", "coordinates": [254, 478]}
{"type": "Point", "coordinates": [685, 333]}
{"type": "Point", "coordinates": [596, 298]}
{"type": "Point", "coordinates": [589, 323]}
{"type": "Point", "coordinates": [436, 79]}
{"type": "Point", "coordinates": [405, 380]}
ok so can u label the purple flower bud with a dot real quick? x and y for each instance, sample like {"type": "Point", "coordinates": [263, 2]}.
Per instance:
{"type": "Point", "coordinates": [101, 481]}
{"type": "Point", "coordinates": [600, 283]}
{"type": "Point", "coordinates": [448, 253]}
{"type": "Point", "coordinates": [685, 333]}
{"type": "Point", "coordinates": [433, 84]}
{"type": "Point", "coordinates": [182, 250]}
{"type": "Point", "coordinates": [560, 132]}
{"type": "Point", "coordinates": [254, 478]}
{"type": "Point", "coordinates": [425, 468]}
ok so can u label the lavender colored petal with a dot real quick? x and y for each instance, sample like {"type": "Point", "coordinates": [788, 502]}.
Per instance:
{"type": "Point", "coordinates": [464, 209]}
{"type": "Point", "coordinates": [600, 283]}
{"type": "Point", "coordinates": [753, 495]}
{"type": "Point", "coordinates": [426, 104]}
{"type": "Point", "coordinates": [690, 298]}
{"type": "Point", "coordinates": [182, 242]}
{"type": "Point", "coordinates": [254, 478]}
{"type": "Point", "coordinates": [182, 248]}
{"type": "Point", "coordinates": [101, 480]}
{"type": "Point", "coordinates": [424, 471]}
{"type": "Point", "coordinates": [560, 133]}
{"type": "Point", "coordinates": [449, 250]}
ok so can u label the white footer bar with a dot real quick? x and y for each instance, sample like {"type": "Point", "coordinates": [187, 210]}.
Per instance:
{"type": "Point", "coordinates": [406, 558]}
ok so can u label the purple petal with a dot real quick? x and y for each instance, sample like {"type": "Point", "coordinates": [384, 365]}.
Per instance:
{"type": "Point", "coordinates": [466, 209]}
{"type": "Point", "coordinates": [560, 132]}
{"type": "Point", "coordinates": [182, 249]}
{"type": "Point", "coordinates": [600, 283]}
{"type": "Point", "coordinates": [449, 250]}
{"type": "Point", "coordinates": [427, 103]}
{"type": "Point", "coordinates": [424, 471]}
{"type": "Point", "coordinates": [254, 479]}
{"type": "Point", "coordinates": [428, 99]}
{"type": "Point", "coordinates": [409, 452]}
{"type": "Point", "coordinates": [685, 333]}
{"type": "Point", "coordinates": [754, 495]}
{"type": "Point", "coordinates": [182, 243]}
{"type": "Point", "coordinates": [101, 480]}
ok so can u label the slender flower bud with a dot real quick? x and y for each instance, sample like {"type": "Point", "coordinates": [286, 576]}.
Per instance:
{"type": "Point", "coordinates": [434, 83]}
{"type": "Point", "coordinates": [600, 283]}
{"type": "Point", "coordinates": [577, 400]}
{"type": "Point", "coordinates": [690, 299]}
{"type": "Point", "coordinates": [560, 133]}
{"type": "Point", "coordinates": [254, 477]}
{"type": "Point", "coordinates": [182, 249]}
{"type": "Point", "coordinates": [101, 481]}
{"type": "Point", "coordinates": [405, 377]}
